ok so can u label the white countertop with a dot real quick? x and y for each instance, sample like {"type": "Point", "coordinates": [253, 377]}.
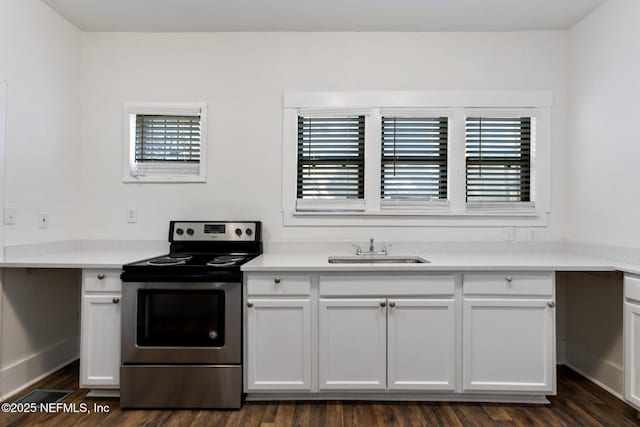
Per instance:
{"type": "Point", "coordinates": [79, 259]}
{"type": "Point", "coordinates": [80, 254]}
{"type": "Point", "coordinates": [294, 257]}
{"type": "Point", "coordinates": [540, 259]}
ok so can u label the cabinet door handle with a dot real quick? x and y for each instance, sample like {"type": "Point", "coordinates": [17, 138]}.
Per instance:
{"type": "Point", "coordinates": [115, 300]}
{"type": "Point", "coordinates": [392, 304]}
{"type": "Point", "coordinates": [277, 280]}
{"type": "Point", "coordinates": [100, 276]}
{"type": "Point", "coordinates": [249, 304]}
{"type": "Point", "coordinates": [509, 279]}
{"type": "Point", "coordinates": [383, 303]}
{"type": "Point", "coordinates": [551, 304]}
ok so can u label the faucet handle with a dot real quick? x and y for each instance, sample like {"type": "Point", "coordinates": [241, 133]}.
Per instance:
{"type": "Point", "coordinates": [358, 249]}
{"type": "Point", "coordinates": [387, 248]}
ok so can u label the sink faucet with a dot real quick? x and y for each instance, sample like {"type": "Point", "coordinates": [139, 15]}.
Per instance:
{"type": "Point", "coordinates": [372, 249]}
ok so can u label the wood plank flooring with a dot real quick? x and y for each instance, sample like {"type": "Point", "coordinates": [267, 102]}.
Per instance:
{"type": "Point", "coordinates": [579, 403]}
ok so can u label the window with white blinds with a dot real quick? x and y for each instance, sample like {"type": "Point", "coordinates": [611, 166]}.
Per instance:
{"type": "Point", "coordinates": [498, 159]}
{"type": "Point", "coordinates": [414, 158]}
{"type": "Point", "coordinates": [166, 142]}
{"type": "Point", "coordinates": [330, 158]}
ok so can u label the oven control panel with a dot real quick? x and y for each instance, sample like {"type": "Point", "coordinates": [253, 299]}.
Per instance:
{"type": "Point", "coordinates": [202, 231]}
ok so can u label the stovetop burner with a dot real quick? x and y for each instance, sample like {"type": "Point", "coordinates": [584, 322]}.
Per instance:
{"type": "Point", "coordinates": [226, 260]}
{"type": "Point", "coordinates": [170, 260]}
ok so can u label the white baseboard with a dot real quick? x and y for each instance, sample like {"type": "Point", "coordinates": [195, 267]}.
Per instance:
{"type": "Point", "coordinates": [31, 369]}
{"type": "Point", "coordinates": [403, 397]}
{"type": "Point", "coordinates": [604, 373]}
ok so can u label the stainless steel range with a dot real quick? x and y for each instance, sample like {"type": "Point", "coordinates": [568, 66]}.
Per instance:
{"type": "Point", "coordinates": [182, 318]}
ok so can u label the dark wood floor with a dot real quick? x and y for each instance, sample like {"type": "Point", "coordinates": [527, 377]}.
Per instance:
{"type": "Point", "coordinates": [579, 403]}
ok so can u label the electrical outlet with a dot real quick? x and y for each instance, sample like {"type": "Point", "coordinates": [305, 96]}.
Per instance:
{"type": "Point", "coordinates": [132, 215]}
{"type": "Point", "coordinates": [43, 220]}
{"type": "Point", "coordinates": [9, 216]}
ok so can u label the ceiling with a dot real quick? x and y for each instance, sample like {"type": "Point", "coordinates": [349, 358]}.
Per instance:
{"type": "Point", "coordinates": [322, 15]}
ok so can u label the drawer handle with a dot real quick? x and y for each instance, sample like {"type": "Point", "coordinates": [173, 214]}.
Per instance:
{"type": "Point", "coordinates": [392, 304]}
{"type": "Point", "coordinates": [115, 300]}
{"type": "Point", "coordinates": [509, 279]}
{"type": "Point", "coordinates": [249, 304]}
{"type": "Point", "coordinates": [383, 303]}
{"type": "Point", "coordinates": [277, 280]}
{"type": "Point", "coordinates": [551, 304]}
{"type": "Point", "coordinates": [100, 276]}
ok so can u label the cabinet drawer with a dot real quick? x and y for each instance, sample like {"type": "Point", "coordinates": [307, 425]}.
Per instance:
{"type": "Point", "coordinates": [101, 281]}
{"type": "Point", "coordinates": [508, 284]}
{"type": "Point", "coordinates": [278, 284]}
{"type": "Point", "coordinates": [387, 285]}
{"type": "Point", "coordinates": [632, 287]}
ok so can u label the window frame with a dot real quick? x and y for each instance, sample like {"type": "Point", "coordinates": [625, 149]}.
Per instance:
{"type": "Point", "coordinates": [163, 108]}
{"type": "Point", "coordinates": [456, 105]}
{"type": "Point", "coordinates": [536, 115]}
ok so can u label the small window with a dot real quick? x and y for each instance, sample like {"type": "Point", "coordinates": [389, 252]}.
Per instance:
{"type": "Point", "coordinates": [330, 162]}
{"type": "Point", "coordinates": [166, 144]}
{"type": "Point", "coordinates": [498, 160]}
{"type": "Point", "coordinates": [414, 159]}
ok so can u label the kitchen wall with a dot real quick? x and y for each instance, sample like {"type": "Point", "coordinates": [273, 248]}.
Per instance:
{"type": "Point", "coordinates": [39, 324]}
{"type": "Point", "coordinates": [603, 172]}
{"type": "Point", "coordinates": [40, 59]}
{"type": "Point", "coordinates": [242, 77]}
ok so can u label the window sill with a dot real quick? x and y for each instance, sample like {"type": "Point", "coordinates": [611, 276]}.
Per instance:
{"type": "Point", "coordinates": [163, 179]}
{"type": "Point", "coordinates": [408, 218]}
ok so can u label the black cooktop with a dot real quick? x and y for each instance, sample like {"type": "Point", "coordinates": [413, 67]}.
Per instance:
{"type": "Point", "coordinates": [207, 251]}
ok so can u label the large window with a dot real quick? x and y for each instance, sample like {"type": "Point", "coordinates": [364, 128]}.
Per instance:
{"type": "Point", "coordinates": [414, 158]}
{"type": "Point", "coordinates": [498, 159]}
{"type": "Point", "coordinates": [330, 158]}
{"type": "Point", "coordinates": [417, 158]}
{"type": "Point", "coordinates": [166, 143]}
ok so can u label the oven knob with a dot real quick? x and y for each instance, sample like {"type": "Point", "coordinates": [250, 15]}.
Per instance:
{"type": "Point", "coordinates": [238, 232]}
{"type": "Point", "coordinates": [179, 231]}
{"type": "Point", "coordinates": [248, 232]}
{"type": "Point", "coordinates": [213, 335]}
{"type": "Point", "coordinates": [190, 231]}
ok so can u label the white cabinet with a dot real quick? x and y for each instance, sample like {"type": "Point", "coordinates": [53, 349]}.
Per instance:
{"type": "Point", "coordinates": [421, 344]}
{"type": "Point", "coordinates": [100, 329]}
{"type": "Point", "coordinates": [387, 343]}
{"type": "Point", "coordinates": [279, 344]}
{"type": "Point", "coordinates": [352, 344]}
{"type": "Point", "coordinates": [632, 339]}
{"type": "Point", "coordinates": [508, 340]}
{"type": "Point", "coordinates": [278, 333]}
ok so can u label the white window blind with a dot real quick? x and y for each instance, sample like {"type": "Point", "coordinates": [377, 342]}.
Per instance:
{"type": "Point", "coordinates": [414, 158]}
{"type": "Point", "coordinates": [498, 160]}
{"type": "Point", "coordinates": [330, 158]}
{"type": "Point", "coordinates": [167, 145]}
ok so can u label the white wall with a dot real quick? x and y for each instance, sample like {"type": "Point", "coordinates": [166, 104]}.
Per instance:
{"type": "Point", "coordinates": [604, 173]}
{"type": "Point", "coordinates": [39, 324]}
{"type": "Point", "coordinates": [242, 77]}
{"type": "Point", "coordinates": [40, 58]}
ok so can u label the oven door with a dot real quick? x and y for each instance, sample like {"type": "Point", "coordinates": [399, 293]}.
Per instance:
{"type": "Point", "coordinates": [181, 323]}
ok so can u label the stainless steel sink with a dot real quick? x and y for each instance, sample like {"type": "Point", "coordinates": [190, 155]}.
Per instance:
{"type": "Point", "coordinates": [383, 259]}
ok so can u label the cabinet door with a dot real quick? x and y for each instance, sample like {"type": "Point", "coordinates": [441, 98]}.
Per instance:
{"type": "Point", "coordinates": [100, 335]}
{"type": "Point", "coordinates": [352, 344]}
{"type": "Point", "coordinates": [421, 344]}
{"type": "Point", "coordinates": [508, 345]}
{"type": "Point", "coordinates": [632, 353]}
{"type": "Point", "coordinates": [279, 344]}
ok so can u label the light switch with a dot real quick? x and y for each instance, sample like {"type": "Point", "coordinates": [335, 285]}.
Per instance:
{"type": "Point", "coordinates": [132, 215]}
